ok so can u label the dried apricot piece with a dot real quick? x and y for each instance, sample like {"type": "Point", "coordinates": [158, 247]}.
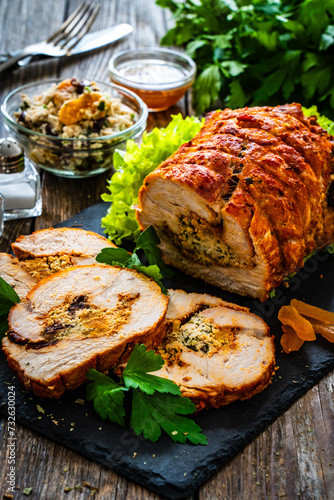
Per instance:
{"type": "Point", "coordinates": [65, 84]}
{"type": "Point", "coordinates": [326, 330]}
{"type": "Point", "coordinates": [288, 315]}
{"type": "Point", "coordinates": [312, 311]}
{"type": "Point", "coordinates": [290, 340]}
{"type": "Point", "coordinates": [328, 335]}
{"type": "Point", "coordinates": [73, 111]}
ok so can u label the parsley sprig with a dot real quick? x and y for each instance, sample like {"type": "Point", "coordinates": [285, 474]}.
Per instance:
{"type": "Point", "coordinates": [147, 241]}
{"type": "Point", "coordinates": [8, 297]}
{"type": "Point", "coordinates": [256, 51]}
{"type": "Point", "coordinates": [157, 403]}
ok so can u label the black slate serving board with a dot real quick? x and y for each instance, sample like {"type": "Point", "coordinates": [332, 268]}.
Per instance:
{"type": "Point", "coordinates": [175, 469]}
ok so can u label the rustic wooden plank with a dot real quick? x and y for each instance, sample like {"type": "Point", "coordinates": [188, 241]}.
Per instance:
{"type": "Point", "coordinates": [63, 198]}
{"type": "Point", "coordinates": [293, 458]}
{"type": "Point", "coordinates": [286, 460]}
{"type": "Point", "coordinates": [27, 22]}
{"type": "Point", "coordinates": [312, 450]}
{"type": "Point", "coordinates": [55, 472]}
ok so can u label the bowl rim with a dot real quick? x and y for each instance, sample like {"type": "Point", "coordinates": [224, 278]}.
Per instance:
{"type": "Point", "coordinates": [186, 80]}
{"type": "Point", "coordinates": [140, 123]}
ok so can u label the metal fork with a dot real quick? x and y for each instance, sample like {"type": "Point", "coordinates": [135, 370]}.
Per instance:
{"type": "Point", "coordinates": [62, 41]}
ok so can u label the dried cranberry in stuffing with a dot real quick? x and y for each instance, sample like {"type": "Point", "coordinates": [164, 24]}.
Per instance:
{"type": "Point", "coordinates": [98, 125]}
{"type": "Point", "coordinates": [79, 86]}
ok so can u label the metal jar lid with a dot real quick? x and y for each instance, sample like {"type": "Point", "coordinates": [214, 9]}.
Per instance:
{"type": "Point", "coordinates": [11, 157]}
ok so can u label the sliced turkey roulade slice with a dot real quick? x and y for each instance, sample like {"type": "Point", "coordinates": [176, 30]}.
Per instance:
{"type": "Point", "coordinates": [50, 250]}
{"type": "Point", "coordinates": [215, 351]}
{"type": "Point", "coordinates": [80, 318]}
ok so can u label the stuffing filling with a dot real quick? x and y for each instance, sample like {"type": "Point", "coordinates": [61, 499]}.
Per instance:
{"type": "Point", "coordinates": [41, 267]}
{"type": "Point", "coordinates": [74, 109]}
{"type": "Point", "coordinates": [199, 334]}
{"type": "Point", "coordinates": [81, 319]}
{"type": "Point", "coordinates": [201, 243]}
{"type": "Point", "coordinates": [82, 117]}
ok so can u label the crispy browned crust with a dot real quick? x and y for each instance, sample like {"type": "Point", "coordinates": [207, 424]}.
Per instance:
{"type": "Point", "coordinates": [73, 378]}
{"type": "Point", "coordinates": [284, 165]}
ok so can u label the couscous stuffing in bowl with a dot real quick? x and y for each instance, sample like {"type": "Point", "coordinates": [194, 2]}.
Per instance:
{"type": "Point", "coordinates": [72, 127]}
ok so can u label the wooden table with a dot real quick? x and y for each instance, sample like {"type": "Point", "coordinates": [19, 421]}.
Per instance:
{"type": "Point", "coordinates": [294, 457]}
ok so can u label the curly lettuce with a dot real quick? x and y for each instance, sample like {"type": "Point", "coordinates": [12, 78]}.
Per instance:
{"type": "Point", "coordinates": [133, 165]}
{"type": "Point", "coordinates": [323, 121]}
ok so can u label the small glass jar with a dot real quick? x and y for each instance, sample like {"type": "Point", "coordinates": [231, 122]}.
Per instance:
{"type": "Point", "coordinates": [19, 182]}
{"type": "Point", "coordinates": [160, 77]}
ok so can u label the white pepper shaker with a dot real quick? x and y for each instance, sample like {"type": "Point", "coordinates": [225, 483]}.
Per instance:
{"type": "Point", "coordinates": [20, 183]}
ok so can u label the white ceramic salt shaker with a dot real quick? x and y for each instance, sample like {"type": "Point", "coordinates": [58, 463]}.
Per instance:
{"type": "Point", "coordinates": [20, 183]}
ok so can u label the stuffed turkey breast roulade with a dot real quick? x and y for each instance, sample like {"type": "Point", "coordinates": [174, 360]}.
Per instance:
{"type": "Point", "coordinates": [244, 202]}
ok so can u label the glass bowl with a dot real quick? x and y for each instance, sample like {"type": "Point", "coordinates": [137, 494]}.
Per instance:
{"type": "Point", "coordinates": [72, 157]}
{"type": "Point", "coordinates": [159, 76]}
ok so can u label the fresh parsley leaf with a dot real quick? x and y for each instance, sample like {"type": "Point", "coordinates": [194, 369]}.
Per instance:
{"type": "Point", "coordinates": [151, 413]}
{"type": "Point", "coordinates": [156, 401]}
{"type": "Point", "coordinates": [8, 297]}
{"type": "Point", "coordinates": [237, 95]}
{"type": "Point", "coordinates": [108, 396]}
{"type": "Point", "coordinates": [152, 272]}
{"type": "Point", "coordinates": [115, 256]}
{"type": "Point", "coordinates": [136, 373]}
{"type": "Point", "coordinates": [143, 360]}
{"type": "Point", "coordinates": [148, 241]}
{"type": "Point", "coordinates": [207, 87]}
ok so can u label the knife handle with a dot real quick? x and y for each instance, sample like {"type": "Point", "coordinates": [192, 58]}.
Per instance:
{"type": "Point", "coordinates": [11, 61]}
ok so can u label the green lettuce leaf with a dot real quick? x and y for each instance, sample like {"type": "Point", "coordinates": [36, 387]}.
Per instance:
{"type": "Point", "coordinates": [323, 121]}
{"type": "Point", "coordinates": [133, 166]}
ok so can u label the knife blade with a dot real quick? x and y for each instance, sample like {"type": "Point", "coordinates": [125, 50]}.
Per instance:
{"type": "Point", "coordinates": [90, 41]}
{"type": "Point", "coordinates": [98, 39]}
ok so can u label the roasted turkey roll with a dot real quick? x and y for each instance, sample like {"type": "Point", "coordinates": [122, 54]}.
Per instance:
{"type": "Point", "coordinates": [244, 202]}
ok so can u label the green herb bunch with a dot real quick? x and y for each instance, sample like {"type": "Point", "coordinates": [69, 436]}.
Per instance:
{"type": "Point", "coordinates": [157, 403]}
{"type": "Point", "coordinates": [259, 52]}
